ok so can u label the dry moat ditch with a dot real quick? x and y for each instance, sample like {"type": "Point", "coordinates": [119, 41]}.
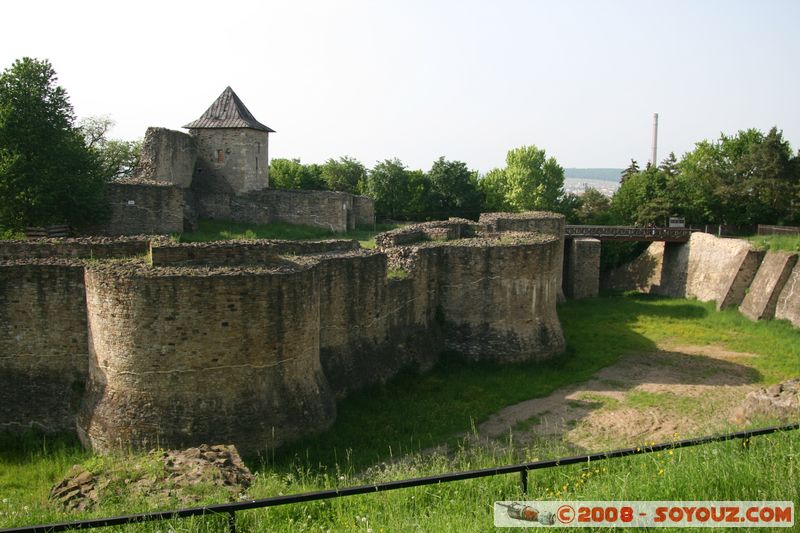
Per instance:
{"type": "Point", "coordinates": [677, 390]}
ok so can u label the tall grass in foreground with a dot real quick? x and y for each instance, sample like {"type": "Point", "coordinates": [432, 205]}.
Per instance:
{"type": "Point", "coordinates": [380, 431]}
{"type": "Point", "coordinates": [766, 469]}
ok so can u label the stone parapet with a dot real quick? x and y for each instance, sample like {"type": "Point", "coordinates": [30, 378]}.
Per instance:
{"type": "Point", "coordinates": [75, 248]}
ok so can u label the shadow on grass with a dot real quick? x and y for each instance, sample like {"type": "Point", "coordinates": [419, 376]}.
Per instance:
{"type": "Point", "coordinates": [413, 412]}
{"type": "Point", "coordinates": [20, 448]}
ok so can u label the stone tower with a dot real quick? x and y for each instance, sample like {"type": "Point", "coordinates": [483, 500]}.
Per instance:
{"type": "Point", "coordinates": [232, 147]}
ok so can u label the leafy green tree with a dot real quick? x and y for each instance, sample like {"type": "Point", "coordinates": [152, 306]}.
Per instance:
{"type": "Point", "coordinates": [746, 179]}
{"type": "Point", "coordinates": [535, 182]}
{"type": "Point", "coordinates": [345, 174]}
{"type": "Point", "coordinates": [454, 189]}
{"type": "Point", "coordinates": [669, 166]}
{"type": "Point", "coordinates": [569, 205]}
{"type": "Point", "coordinates": [421, 200]}
{"type": "Point", "coordinates": [494, 188]}
{"type": "Point", "coordinates": [388, 186]}
{"type": "Point", "coordinates": [48, 175]}
{"type": "Point", "coordinates": [292, 174]}
{"type": "Point", "coordinates": [632, 170]}
{"type": "Point", "coordinates": [119, 158]}
{"type": "Point", "coordinates": [768, 183]}
{"type": "Point", "coordinates": [632, 194]}
{"type": "Point", "coordinates": [656, 211]}
{"type": "Point", "coordinates": [595, 208]}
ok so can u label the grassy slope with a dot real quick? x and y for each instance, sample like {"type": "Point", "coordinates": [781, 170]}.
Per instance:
{"type": "Point", "coordinates": [789, 243]}
{"type": "Point", "coordinates": [414, 412]}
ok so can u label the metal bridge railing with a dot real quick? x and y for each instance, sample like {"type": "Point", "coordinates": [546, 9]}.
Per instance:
{"type": "Point", "coordinates": [230, 509]}
{"type": "Point", "coordinates": [630, 233]}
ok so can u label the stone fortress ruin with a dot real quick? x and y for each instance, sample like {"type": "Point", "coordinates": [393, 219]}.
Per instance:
{"type": "Point", "coordinates": [136, 342]}
{"type": "Point", "coordinates": [219, 170]}
{"type": "Point", "coordinates": [142, 342]}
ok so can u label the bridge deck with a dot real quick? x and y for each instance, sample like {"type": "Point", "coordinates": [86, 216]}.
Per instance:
{"type": "Point", "coordinates": [629, 233]}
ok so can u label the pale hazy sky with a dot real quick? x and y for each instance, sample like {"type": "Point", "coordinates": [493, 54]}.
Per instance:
{"type": "Point", "coordinates": [419, 79]}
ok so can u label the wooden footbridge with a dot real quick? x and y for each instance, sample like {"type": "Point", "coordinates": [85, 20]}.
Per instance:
{"type": "Point", "coordinates": [629, 233]}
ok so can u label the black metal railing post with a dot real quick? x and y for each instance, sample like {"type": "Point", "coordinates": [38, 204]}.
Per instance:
{"type": "Point", "coordinates": [231, 521]}
{"type": "Point", "coordinates": [523, 482]}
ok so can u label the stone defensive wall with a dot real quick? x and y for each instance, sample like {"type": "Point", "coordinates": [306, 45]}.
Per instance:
{"type": "Point", "coordinates": [336, 211]}
{"type": "Point", "coordinates": [43, 344]}
{"type": "Point", "coordinates": [729, 272]}
{"type": "Point", "coordinates": [75, 248]}
{"type": "Point", "coordinates": [143, 207]}
{"type": "Point", "coordinates": [168, 156]}
{"type": "Point", "coordinates": [253, 342]}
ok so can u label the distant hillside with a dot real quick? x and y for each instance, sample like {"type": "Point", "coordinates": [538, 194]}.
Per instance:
{"type": "Point", "coordinates": [605, 174]}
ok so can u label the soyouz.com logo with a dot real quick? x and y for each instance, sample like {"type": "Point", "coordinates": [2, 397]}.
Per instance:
{"type": "Point", "coordinates": [644, 514]}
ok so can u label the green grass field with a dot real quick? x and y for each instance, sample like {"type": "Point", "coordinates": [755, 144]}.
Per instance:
{"type": "Point", "coordinates": [215, 230]}
{"type": "Point", "coordinates": [789, 243]}
{"type": "Point", "coordinates": [380, 433]}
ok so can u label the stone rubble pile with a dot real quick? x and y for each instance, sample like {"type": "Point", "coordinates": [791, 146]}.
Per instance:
{"type": "Point", "coordinates": [218, 466]}
{"type": "Point", "coordinates": [780, 401]}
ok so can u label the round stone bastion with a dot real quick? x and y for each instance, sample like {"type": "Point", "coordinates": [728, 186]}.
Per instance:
{"type": "Point", "coordinates": [180, 356]}
{"type": "Point", "coordinates": [497, 295]}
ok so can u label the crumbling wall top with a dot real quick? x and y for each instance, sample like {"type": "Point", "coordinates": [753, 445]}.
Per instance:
{"type": "Point", "coordinates": [74, 248]}
{"type": "Point", "coordinates": [543, 221]}
{"type": "Point", "coordinates": [438, 230]}
{"type": "Point", "coordinates": [167, 157]}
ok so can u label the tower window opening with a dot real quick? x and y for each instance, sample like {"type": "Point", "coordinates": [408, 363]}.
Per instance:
{"type": "Point", "coordinates": [220, 156]}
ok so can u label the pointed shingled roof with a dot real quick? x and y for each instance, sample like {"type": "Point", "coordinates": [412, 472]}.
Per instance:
{"type": "Point", "coordinates": [228, 111]}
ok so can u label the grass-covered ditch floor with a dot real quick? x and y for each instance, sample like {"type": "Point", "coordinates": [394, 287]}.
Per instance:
{"type": "Point", "coordinates": [425, 424]}
{"type": "Point", "coordinates": [216, 230]}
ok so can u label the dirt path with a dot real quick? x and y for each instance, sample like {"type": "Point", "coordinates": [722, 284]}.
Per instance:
{"type": "Point", "coordinates": [642, 398]}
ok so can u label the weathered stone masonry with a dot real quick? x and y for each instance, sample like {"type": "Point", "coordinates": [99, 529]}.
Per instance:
{"type": "Point", "coordinates": [729, 272]}
{"type": "Point", "coordinates": [179, 357]}
{"type": "Point", "coordinates": [43, 344]}
{"type": "Point", "coordinates": [252, 347]}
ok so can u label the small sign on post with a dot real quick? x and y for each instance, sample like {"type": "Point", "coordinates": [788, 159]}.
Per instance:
{"type": "Point", "coordinates": [677, 222]}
